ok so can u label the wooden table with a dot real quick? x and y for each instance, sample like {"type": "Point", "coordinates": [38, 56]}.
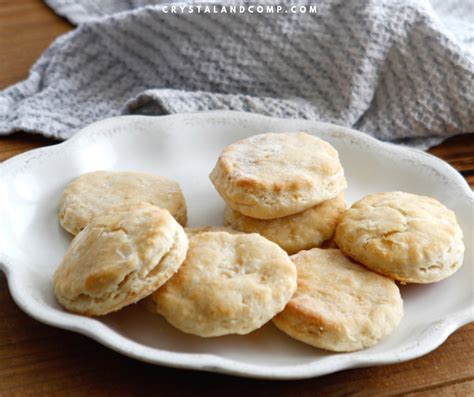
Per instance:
{"type": "Point", "coordinates": [38, 360]}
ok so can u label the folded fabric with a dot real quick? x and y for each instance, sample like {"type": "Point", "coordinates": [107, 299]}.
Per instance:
{"type": "Point", "coordinates": [392, 69]}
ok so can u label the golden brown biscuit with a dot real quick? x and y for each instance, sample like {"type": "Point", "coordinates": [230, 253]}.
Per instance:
{"type": "Point", "coordinates": [293, 233]}
{"type": "Point", "coordinates": [95, 192]}
{"type": "Point", "coordinates": [228, 284]}
{"type": "Point", "coordinates": [274, 175]}
{"type": "Point", "coordinates": [339, 305]}
{"type": "Point", "coordinates": [120, 257]}
{"type": "Point", "coordinates": [411, 238]}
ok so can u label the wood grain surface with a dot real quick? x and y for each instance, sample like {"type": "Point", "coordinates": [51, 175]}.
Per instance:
{"type": "Point", "coordinates": [38, 360]}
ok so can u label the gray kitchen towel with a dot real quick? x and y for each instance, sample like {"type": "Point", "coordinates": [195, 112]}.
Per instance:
{"type": "Point", "coordinates": [394, 69]}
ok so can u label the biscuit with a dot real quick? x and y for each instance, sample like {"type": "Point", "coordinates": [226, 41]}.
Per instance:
{"type": "Point", "coordinates": [339, 305]}
{"type": "Point", "coordinates": [93, 193]}
{"type": "Point", "coordinates": [228, 284]}
{"type": "Point", "coordinates": [293, 233]}
{"type": "Point", "coordinates": [120, 257]}
{"type": "Point", "coordinates": [275, 175]}
{"type": "Point", "coordinates": [411, 238]}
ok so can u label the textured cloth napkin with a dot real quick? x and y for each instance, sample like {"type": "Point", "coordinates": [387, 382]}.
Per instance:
{"type": "Point", "coordinates": [398, 70]}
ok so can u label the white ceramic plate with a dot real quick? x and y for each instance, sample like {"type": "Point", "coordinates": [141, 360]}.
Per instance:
{"type": "Point", "coordinates": [185, 147]}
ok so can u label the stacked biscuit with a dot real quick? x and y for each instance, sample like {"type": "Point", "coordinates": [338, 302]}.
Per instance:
{"type": "Point", "coordinates": [287, 187]}
{"type": "Point", "coordinates": [128, 241]}
{"type": "Point", "coordinates": [284, 196]}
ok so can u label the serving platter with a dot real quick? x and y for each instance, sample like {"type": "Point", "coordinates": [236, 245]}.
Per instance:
{"type": "Point", "coordinates": [185, 147]}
